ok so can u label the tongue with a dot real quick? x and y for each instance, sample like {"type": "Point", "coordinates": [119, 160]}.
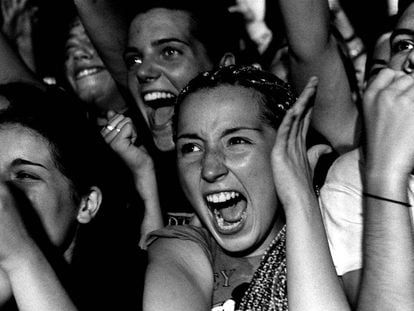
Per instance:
{"type": "Point", "coordinates": [234, 212]}
{"type": "Point", "coordinates": [163, 115]}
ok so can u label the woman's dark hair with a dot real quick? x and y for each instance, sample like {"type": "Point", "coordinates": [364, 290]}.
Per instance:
{"type": "Point", "coordinates": [105, 266]}
{"type": "Point", "coordinates": [212, 24]}
{"type": "Point", "coordinates": [275, 95]}
{"type": "Point", "coordinates": [60, 119]}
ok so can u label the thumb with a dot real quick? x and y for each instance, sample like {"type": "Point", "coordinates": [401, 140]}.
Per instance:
{"type": "Point", "coordinates": [315, 152]}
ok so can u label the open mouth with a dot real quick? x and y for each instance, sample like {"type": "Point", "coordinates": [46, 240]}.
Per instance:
{"type": "Point", "coordinates": [81, 73]}
{"type": "Point", "coordinates": [229, 210]}
{"type": "Point", "coordinates": [159, 99]}
{"type": "Point", "coordinates": [161, 109]}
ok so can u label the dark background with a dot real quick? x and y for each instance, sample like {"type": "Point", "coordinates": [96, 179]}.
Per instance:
{"type": "Point", "coordinates": [367, 16]}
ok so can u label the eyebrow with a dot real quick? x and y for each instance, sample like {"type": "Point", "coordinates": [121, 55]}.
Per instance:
{"type": "Point", "coordinates": [225, 132]}
{"type": "Point", "coordinates": [401, 31]}
{"type": "Point", "coordinates": [20, 161]}
{"type": "Point", "coordinates": [131, 49]}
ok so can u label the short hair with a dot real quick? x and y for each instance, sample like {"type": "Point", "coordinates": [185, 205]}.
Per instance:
{"type": "Point", "coordinates": [212, 24]}
{"type": "Point", "coordinates": [275, 95]}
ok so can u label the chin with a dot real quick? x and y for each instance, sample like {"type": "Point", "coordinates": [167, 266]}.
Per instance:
{"type": "Point", "coordinates": [234, 243]}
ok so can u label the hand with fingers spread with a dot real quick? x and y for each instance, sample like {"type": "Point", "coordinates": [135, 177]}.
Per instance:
{"type": "Point", "coordinates": [389, 121]}
{"type": "Point", "coordinates": [306, 244]}
{"type": "Point", "coordinates": [291, 168]}
{"type": "Point", "coordinates": [120, 134]}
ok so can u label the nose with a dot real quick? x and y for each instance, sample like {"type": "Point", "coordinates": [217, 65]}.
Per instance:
{"type": "Point", "coordinates": [83, 53]}
{"type": "Point", "coordinates": [147, 70]}
{"type": "Point", "coordinates": [213, 166]}
{"type": "Point", "coordinates": [408, 65]}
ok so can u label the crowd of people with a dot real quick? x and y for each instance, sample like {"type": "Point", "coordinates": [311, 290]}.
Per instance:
{"type": "Point", "coordinates": [225, 156]}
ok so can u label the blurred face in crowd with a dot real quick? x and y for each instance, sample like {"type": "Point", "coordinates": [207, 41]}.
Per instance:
{"type": "Point", "coordinates": [162, 56]}
{"type": "Point", "coordinates": [223, 153]}
{"type": "Point", "coordinates": [85, 71]}
{"type": "Point", "coordinates": [402, 43]}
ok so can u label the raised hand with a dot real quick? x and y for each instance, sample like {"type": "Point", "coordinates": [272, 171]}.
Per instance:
{"type": "Point", "coordinates": [292, 170]}
{"type": "Point", "coordinates": [252, 10]}
{"type": "Point", "coordinates": [121, 136]}
{"type": "Point", "coordinates": [19, 17]}
{"type": "Point", "coordinates": [389, 123]}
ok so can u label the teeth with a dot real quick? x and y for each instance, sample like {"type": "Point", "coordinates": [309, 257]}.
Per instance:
{"type": "Point", "coordinates": [157, 95]}
{"type": "Point", "coordinates": [221, 197]}
{"type": "Point", "coordinates": [86, 72]}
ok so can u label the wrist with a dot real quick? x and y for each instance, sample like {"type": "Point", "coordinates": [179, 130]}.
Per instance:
{"type": "Point", "coordinates": [23, 260]}
{"type": "Point", "coordinates": [385, 183]}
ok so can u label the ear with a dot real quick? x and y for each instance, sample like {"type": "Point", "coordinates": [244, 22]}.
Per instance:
{"type": "Point", "coordinates": [227, 59]}
{"type": "Point", "coordinates": [89, 206]}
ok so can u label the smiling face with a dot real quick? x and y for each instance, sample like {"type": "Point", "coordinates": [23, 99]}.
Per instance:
{"type": "Point", "coordinates": [162, 57]}
{"type": "Point", "coordinates": [223, 153]}
{"type": "Point", "coordinates": [84, 69]}
{"type": "Point", "coordinates": [402, 43]}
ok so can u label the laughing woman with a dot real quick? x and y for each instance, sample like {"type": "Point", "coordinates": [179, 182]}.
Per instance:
{"type": "Point", "coordinates": [243, 165]}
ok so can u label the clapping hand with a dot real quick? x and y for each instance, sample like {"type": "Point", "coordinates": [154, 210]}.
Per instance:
{"type": "Point", "coordinates": [292, 164]}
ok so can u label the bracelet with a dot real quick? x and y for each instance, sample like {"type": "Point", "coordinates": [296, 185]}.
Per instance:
{"type": "Point", "coordinates": [385, 199]}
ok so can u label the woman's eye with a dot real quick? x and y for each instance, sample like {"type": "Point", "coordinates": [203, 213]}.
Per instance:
{"type": "Point", "coordinates": [132, 60]}
{"type": "Point", "coordinates": [25, 175]}
{"type": "Point", "coordinates": [170, 52]}
{"type": "Point", "coordinates": [238, 141]}
{"type": "Point", "coordinates": [402, 45]}
{"type": "Point", "coordinates": [189, 148]}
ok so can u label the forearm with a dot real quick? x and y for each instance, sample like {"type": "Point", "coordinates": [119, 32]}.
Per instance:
{"type": "Point", "coordinates": [148, 190]}
{"type": "Point", "coordinates": [307, 26]}
{"type": "Point", "coordinates": [108, 29]}
{"type": "Point", "coordinates": [36, 286]}
{"type": "Point", "coordinates": [312, 280]}
{"type": "Point", "coordinates": [313, 51]}
{"type": "Point", "coordinates": [388, 273]}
